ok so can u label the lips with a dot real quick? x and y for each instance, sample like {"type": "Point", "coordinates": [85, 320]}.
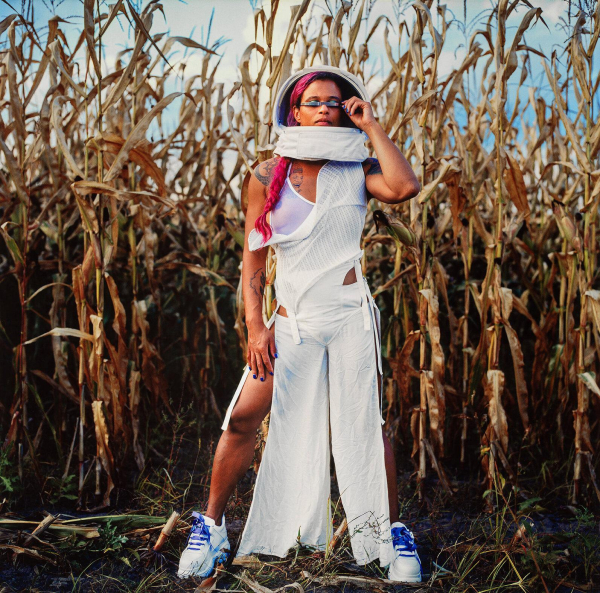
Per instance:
{"type": "Point", "coordinates": [323, 121]}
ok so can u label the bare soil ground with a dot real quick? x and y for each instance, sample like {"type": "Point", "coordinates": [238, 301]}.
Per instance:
{"type": "Point", "coordinates": [462, 547]}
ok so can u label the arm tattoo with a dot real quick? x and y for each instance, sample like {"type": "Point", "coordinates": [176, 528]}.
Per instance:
{"type": "Point", "coordinates": [297, 177]}
{"type": "Point", "coordinates": [374, 168]}
{"type": "Point", "coordinates": [257, 283]}
{"type": "Point", "coordinates": [264, 171]}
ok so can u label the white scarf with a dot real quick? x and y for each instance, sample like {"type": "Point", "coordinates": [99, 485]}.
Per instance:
{"type": "Point", "coordinates": [314, 143]}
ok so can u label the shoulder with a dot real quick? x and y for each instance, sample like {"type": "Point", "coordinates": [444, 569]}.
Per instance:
{"type": "Point", "coordinates": [264, 171]}
{"type": "Point", "coordinates": [371, 166]}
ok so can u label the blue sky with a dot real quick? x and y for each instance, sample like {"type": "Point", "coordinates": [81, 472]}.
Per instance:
{"type": "Point", "coordinates": [233, 24]}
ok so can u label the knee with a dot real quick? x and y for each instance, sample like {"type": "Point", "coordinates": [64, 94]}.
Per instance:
{"type": "Point", "coordinates": [243, 424]}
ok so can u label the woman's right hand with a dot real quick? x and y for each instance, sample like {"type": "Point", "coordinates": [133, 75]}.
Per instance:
{"type": "Point", "coordinates": [261, 350]}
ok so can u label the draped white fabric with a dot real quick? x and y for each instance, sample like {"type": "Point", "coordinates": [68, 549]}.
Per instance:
{"type": "Point", "coordinates": [314, 143]}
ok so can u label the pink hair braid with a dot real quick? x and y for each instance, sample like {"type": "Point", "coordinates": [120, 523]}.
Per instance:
{"type": "Point", "coordinates": [277, 181]}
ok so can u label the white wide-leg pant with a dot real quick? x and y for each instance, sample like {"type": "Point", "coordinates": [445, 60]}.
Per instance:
{"type": "Point", "coordinates": [329, 379]}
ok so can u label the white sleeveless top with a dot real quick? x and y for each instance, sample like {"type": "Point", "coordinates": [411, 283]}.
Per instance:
{"type": "Point", "coordinates": [328, 236]}
{"type": "Point", "coordinates": [291, 210]}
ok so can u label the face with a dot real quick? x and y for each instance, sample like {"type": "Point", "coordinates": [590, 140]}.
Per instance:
{"type": "Point", "coordinates": [320, 90]}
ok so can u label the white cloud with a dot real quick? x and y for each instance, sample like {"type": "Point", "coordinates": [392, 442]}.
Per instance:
{"type": "Point", "coordinates": [280, 29]}
{"type": "Point", "coordinates": [553, 10]}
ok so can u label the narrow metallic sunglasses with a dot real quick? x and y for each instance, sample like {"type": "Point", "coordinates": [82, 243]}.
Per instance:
{"type": "Point", "coordinates": [319, 103]}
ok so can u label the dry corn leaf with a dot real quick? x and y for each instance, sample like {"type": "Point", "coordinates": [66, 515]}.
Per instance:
{"type": "Point", "coordinates": [58, 125]}
{"type": "Point", "coordinates": [12, 245]}
{"type": "Point", "coordinates": [112, 143]}
{"type": "Point", "coordinates": [334, 46]}
{"type": "Point", "coordinates": [137, 135]}
{"type": "Point", "coordinates": [55, 49]}
{"type": "Point", "coordinates": [517, 191]}
{"type": "Point", "coordinates": [16, 175]}
{"type": "Point", "coordinates": [63, 331]}
{"type": "Point", "coordinates": [88, 28]}
{"type": "Point", "coordinates": [581, 157]}
{"type": "Point", "coordinates": [134, 403]}
{"type": "Point", "coordinates": [297, 13]}
{"type": "Point", "coordinates": [438, 366]}
{"type": "Point", "coordinates": [589, 380]}
{"type": "Point", "coordinates": [103, 449]}
{"type": "Point", "coordinates": [84, 188]}
{"type": "Point", "coordinates": [445, 170]}
{"type": "Point", "coordinates": [6, 22]}
{"type": "Point", "coordinates": [256, 587]}
{"type": "Point", "coordinates": [494, 388]}
{"type": "Point", "coordinates": [118, 89]}
{"type": "Point", "coordinates": [16, 105]}
{"type": "Point", "coordinates": [458, 200]}
{"type": "Point", "coordinates": [27, 552]}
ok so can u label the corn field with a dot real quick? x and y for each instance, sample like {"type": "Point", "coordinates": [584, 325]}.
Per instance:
{"type": "Point", "coordinates": [120, 281]}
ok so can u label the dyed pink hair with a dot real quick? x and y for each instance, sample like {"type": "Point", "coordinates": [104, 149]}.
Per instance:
{"type": "Point", "coordinates": [280, 170]}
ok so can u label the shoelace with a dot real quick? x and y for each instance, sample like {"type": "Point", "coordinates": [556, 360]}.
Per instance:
{"type": "Point", "coordinates": [200, 532]}
{"type": "Point", "coordinates": [403, 540]}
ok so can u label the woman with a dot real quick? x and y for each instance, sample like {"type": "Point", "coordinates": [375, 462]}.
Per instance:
{"type": "Point", "coordinates": [326, 340]}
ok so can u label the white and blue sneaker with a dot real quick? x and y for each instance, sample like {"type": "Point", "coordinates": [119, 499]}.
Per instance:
{"type": "Point", "coordinates": [406, 566]}
{"type": "Point", "coordinates": [207, 545]}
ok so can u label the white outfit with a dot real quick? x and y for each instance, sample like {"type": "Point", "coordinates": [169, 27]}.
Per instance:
{"type": "Point", "coordinates": [325, 376]}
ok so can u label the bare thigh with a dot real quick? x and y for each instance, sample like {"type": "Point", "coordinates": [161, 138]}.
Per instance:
{"type": "Point", "coordinates": [253, 404]}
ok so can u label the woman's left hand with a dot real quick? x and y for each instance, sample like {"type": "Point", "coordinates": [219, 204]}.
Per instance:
{"type": "Point", "coordinates": [360, 112]}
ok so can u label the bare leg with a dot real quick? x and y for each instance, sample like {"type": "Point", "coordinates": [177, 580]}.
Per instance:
{"type": "Point", "coordinates": [235, 449]}
{"type": "Point", "coordinates": [390, 470]}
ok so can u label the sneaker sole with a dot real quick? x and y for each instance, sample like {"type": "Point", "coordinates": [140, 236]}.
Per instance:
{"type": "Point", "coordinates": [220, 559]}
{"type": "Point", "coordinates": [415, 578]}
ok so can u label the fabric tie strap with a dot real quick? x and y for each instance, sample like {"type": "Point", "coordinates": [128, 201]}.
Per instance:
{"type": "Point", "coordinates": [370, 313]}
{"type": "Point", "coordinates": [363, 293]}
{"type": "Point", "coordinates": [374, 311]}
{"type": "Point", "coordinates": [294, 326]}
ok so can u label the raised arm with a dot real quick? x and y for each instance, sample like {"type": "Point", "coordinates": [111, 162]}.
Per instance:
{"type": "Point", "coordinates": [389, 177]}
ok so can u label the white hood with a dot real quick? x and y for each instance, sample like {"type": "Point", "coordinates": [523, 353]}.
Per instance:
{"type": "Point", "coordinates": [318, 142]}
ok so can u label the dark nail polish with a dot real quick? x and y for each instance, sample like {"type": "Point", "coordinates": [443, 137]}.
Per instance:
{"type": "Point", "coordinates": [275, 355]}
{"type": "Point", "coordinates": [270, 373]}
{"type": "Point", "coordinates": [261, 379]}
{"type": "Point", "coordinates": [249, 368]}
{"type": "Point", "coordinates": [254, 376]}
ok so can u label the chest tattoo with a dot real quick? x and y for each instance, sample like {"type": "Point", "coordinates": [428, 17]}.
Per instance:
{"type": "Point", "coordinates": [297, 177]}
